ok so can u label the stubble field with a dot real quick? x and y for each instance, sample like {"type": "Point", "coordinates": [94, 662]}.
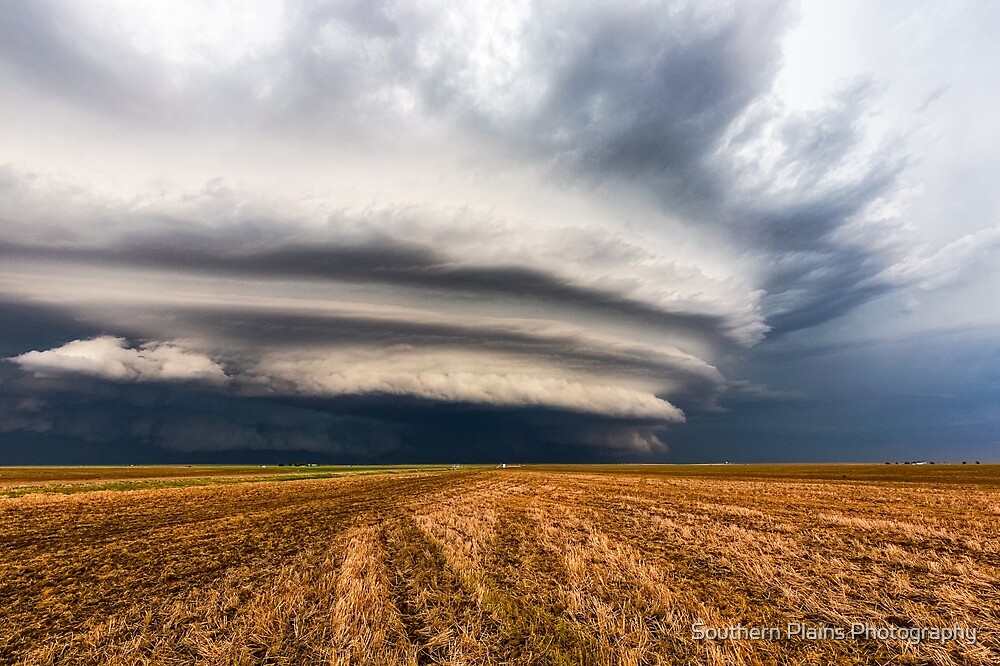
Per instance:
{"type": "Point", "coordinates": [516, 566]}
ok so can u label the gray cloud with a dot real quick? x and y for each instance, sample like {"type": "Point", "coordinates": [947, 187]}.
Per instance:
{"type": "Point", "coordinates": [157, 415]}
{"type": "Point", "coordinates": [276, 431]}
{"type": "Point", "coordinates": [688, 376]}
{"type": "Point", "coordinates": [624, 90]}
{"type": "Point", "coordinates": [237, 337]}
{"type": "Point", "coordinates": [799, 196]}
{"type": "Point", "coordinates": [116, 422]}
{"type": "Point", "coordinates": [42, 49]}
{"type": "Point", "coordinates": [596, 90]}
{"type": "Point", "coordinates": [588, 211]}
{"type": "Point", "coordinates": [386, 262]}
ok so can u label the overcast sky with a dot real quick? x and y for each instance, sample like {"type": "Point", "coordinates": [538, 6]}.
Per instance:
{"type": "Point", "coordinates": [555, 231]}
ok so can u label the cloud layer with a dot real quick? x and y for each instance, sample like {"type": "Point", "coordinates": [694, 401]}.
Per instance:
{"type": "Point", "coordinates": [585, 218]}
{"type": "Point", "coordinates": [111, 358]}
{"type": "Point", "coordinates": [449, 377]}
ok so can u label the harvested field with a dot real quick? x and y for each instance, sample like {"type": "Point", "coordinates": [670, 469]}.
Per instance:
{"type": "Point", "coordinates": [515, 566]}
{"type": "Point", "coordinates": [16, 481]}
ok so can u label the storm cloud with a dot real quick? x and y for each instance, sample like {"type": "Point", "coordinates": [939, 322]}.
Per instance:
{"type": "Point", "coordinates": [551, 232]}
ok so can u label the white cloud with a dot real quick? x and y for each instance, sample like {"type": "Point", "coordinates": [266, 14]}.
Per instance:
{"type": "Point", "coordinates": [465, 376]}
{"type": "Point", "coordinates": [949, 264]}
{"type": "Point", "coordinates": [456, 377]}
{"type": "Point", "coordinates": [111, 358]}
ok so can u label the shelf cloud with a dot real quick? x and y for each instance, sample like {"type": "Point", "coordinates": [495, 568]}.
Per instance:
{"type": "Point", "coordinates": [562, 231]}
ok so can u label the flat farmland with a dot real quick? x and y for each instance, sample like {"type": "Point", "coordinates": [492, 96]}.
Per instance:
{"type": "Point", "coordinates": [17, 481]}
{"type": "Point", "coordinates": [532, 565]}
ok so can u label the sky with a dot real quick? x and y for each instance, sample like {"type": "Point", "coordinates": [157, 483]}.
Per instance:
{"type": "Point", "coordinates": [498, 232]}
